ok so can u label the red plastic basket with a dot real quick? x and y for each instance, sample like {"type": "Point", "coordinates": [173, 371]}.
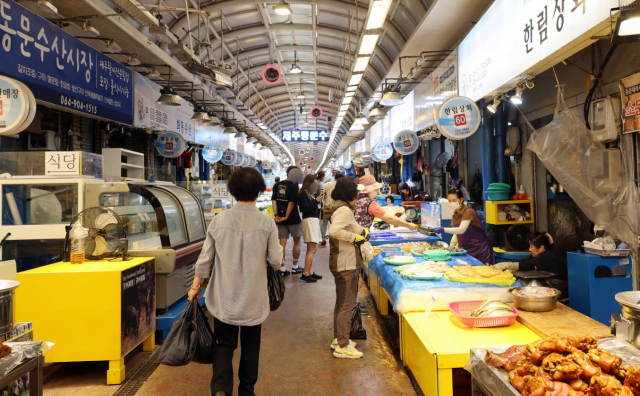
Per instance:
{"type": "Point", "coordinates": [463, 308]}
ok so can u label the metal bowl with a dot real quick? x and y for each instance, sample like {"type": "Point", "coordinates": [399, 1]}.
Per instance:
{"type": "Point", "coordinates": [440, 245]}
{"type": "Point", "coordinates": [541, 303]}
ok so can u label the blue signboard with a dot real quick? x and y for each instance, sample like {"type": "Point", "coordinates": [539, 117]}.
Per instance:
{"type": "Point", "coordinates": [304, 136]}
{"type": "Point", "coordinates": [60, 69]}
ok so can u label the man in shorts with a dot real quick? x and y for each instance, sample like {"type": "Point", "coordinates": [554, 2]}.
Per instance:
{"type": "Point", "coordinates": [287, 217]}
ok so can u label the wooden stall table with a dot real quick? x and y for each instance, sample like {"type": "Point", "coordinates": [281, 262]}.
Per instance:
{"type": "Point", "coordinates": [563, 321]}
{"type": "Point", "coordinates": [435, 345]}
{"type": "Point", "coordinates": [95, 311]}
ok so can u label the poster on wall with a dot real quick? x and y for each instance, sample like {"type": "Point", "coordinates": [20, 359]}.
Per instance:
{"type": "Point", "coordinates": [458, 118]}
{"type": "Point", "coordinates": [406, 142]}
{"type": "Point", "coordinates": [500, 51]}
{"type": "Point", "coordinates": [138, 305]}
{"type": "Point", "coordinates": [439, 86]}
{"type": "Point", "coordinates": [62, 70]}
{"type": "Point", "coordinates": [630, 95]}
{"type": "Point", "coordinates": [149, 114]}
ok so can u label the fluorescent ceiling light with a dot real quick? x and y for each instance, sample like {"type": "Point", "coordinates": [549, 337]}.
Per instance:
{"type": "Point", "coordinates": [46, 6]}
{"type": "Point", "coordinates": [352, 89]}
{"type": "Point", "coordinates": [368, 44]}
{"type": "Point", "coordinates": [300, 96]}
{"type": "Point", "coordinates": [282, 9]}
{"type": "Point", "coordinates": [355, 79]}
{"type": "Point", "coordinates": [342, 113]}
{"type": "Point", "coordinates": [344, 107]}
{"type": "Point", "coordinates": [361, 63]}
{"type": "Point", "coordinates": [133, 61]}
{"type": "Point", "coordinates": [295, 69]}
{"type": "Point", "coordinates": [349, 94]}
{"type": "Point", "coordinates": [138, 12]}
{"type": "Point", "coordinates": [378, 11]}
{"type": "Point", "coordinates": [89, 30]}
{"type": "Point", "coordinates": [153, 73]}
{"type": "Point", "coordinates": [347, 100]}
{"type": "Point", "coordinates": [112, 47]}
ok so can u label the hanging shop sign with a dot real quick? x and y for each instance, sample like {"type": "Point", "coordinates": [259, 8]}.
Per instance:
{"type": "Point", "coordinates": [229, 157]}
{"type": "Point", "coordinates": [382, 152]}
{"type": "Point", "coordinates": [367, 158]}
{"type": "Point", "coordinates": [401, 116]}
{"type": "Point", "coordinates": [347, 165]}
{"type": "Point", "coordinates": [630, 95]}
{"type": "Point", "coordinates": [271, 75]}
{"type": "Point", "coordinates": [304, 136]}
{"type": "Point", "coordinates": [439, 86]}
{"type": "Point", "coordinates": [316, 112]}
{"type": "Point", "coordinates": [170, 145]}
{"type": "Point", "coordinates": [458, 118]}
{"type": "Point", "coordinates": [149, 114]}
{"type": "Point", "coordinates": [238, 159]}
{"type": "Point", "coordinates": [406, 142]}
{"type": "Point", "coordinates": [212, 153]}
{"type": "Point", "coordinates": [17, 106]}
{"type": "Point", "coordinates": [501, 50]}
{"type": "Point", "coordinates": [254, 162]}
{"type": "Point", "coordinates": [62, 70]}
{"type": "Point", "coordinates": [63, 163]}
{"type": "Point", "coordinates": [246, 161]}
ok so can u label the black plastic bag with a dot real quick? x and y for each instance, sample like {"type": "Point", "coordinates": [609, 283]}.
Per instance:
{"type": "Point", "coordinates": [357, 331]}
{"type": "Point", "coordinates": [275, 284]}
{"type": "Point", "coordinates": [204, 347]}
{"type": "Point", "coordinates": [180, 346]}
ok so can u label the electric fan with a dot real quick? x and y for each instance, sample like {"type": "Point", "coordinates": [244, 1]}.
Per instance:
{"type": "Point", "coordinates": [105, 229]}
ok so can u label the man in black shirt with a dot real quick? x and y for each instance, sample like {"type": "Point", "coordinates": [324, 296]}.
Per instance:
{"type": "Point", "coordinates": [285, 210]}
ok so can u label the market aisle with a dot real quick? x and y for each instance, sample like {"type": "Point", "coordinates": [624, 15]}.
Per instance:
{"type": "Point", "coordinates": [295, 356]}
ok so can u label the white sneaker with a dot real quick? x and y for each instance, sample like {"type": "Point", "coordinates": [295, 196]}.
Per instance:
{"type": "Point", "coordinates": [347, 352]}
{"type": "Point", "coordinates": [334, 343]}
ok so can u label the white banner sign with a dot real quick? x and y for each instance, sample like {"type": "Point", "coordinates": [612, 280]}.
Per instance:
{"type": "Point", "coordinates": [375, 134]}
{"type": "Point", "coordinates": [401, 116]}
{"type": "Point", "coordinates": [212, 135]}
{"type": "Point", "coordinates": [149, 114]}
{"type": "Point", "coordinates": [515, 38]}
{"type": "Point", "coordinates": [220, 191]}
{"type": "Point", "coordinates": [439, 86]}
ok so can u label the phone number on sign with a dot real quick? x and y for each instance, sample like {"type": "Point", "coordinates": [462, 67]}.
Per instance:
{"type": "Point", "coordinates": [78, 105]}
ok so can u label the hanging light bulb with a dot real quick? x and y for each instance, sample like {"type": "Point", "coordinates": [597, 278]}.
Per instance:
{"type": "Point", "coordinates": [168, 97]}
{"type": "Point", "coordinates": [230, 129]}
{"type": "Point", "coordinates": [282, 9]}
{"type": "Point", "coordinates": [493, 107]}
{"type": "Point", "coordinates": [199, 114]}
{"type": "Point", "coordinates": [391, 98]}
{"type": "Point", "coordinates": [377, 114]}
{"type": "Point", "coordinates": [240, 135]}
{"type": "Point", "coordinates": [517, 98]}
{"type": "Point", "coordinates": [295, 69]}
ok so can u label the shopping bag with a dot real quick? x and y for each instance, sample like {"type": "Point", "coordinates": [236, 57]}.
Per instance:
{"type": "Point", "coordinates": [180, 346]}
{"type": "Point", "coordinates": [204, 347]}
{"type": "Point", "coordinates": [357, 331]}
{"type": "Point", "coordinates": [275, 284]}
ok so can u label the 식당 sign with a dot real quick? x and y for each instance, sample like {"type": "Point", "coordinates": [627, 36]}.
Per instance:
{"type": "Point", "coordinates": [515, 39]}
{"type": "Point", "coordinates": [60, 69]}
{"type": "Point", "coordinates": [62, 163]}
{"type": "Point", "coordinates": [304, 136]}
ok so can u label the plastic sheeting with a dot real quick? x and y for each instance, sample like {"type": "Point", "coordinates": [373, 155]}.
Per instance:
{"type": "Point", "coordinates": [21, 351]}
{"type": "Point", "coordinates": [415, 295]}
{"type": "Point", "coordinates": [593, 175]}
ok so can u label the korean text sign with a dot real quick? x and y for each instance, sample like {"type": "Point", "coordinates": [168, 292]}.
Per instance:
{"type": "Point", "coordinates": [304, 136]}
{"type": "Point", "coordinates": [63, 163]}
{"type": "Point", "coordinates": [630, 95]}
{"type": "Point", "coordinates": [60, 69]}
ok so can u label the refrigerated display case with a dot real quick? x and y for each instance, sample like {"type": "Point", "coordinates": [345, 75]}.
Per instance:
{"type": "Point", "coordinates": [165, 222]}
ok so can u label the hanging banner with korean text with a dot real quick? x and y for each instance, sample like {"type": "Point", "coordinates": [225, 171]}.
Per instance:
{"type": "Point", "coordinates": [516, 39]}
{"type": "Point", "coordinates": [60, 69]}
{"type": "Point", "coordinates": [304, 136]}
{"type": "Point", "coordinates": [458, 118]}
{"type": "Point", "coordinates": [630, 95]}
{"type": "Point", "coordinates": [401, 116]}
{"type": "Point", "coordinates": [437, 87]}
{"type": "Point", "coordinates": [406, 142]}
{"type": "Point", "coordinates": [149, 114]}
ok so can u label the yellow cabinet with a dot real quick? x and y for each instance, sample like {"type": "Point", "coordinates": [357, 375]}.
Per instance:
{"type": "Point", "coordinates": [494, 207]}
{"type": "Point", "coordinates": [95, 311]}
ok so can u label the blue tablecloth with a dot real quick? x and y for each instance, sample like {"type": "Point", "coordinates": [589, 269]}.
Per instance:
{"type": "Point", "coordinates": [401, 238]}
{"type": "Point", "coordinates": [400, 290]}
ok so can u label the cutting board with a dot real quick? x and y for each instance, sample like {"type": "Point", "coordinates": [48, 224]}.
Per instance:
{"type": "Point", "coordinates": [563, 321]}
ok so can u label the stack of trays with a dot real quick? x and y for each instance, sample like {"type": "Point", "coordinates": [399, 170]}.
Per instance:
{"type": "Point", "coordinates": [497, 192]}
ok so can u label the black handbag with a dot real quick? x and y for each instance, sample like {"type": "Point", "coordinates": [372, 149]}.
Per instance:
{"type": "Point", "coordinates": [204, 347]}
{"type": "Point", "coordinates": [357, 331]}
{"type": "Point", "coordinates": [180, 346]}
{"type": "Point", "coordinates": [275, 284]}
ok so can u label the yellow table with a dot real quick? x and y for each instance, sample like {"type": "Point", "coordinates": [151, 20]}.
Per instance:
{"type": "Point", "coordinates": [99, 310]}
{"type": "Point", "coordinates": [433, 346]}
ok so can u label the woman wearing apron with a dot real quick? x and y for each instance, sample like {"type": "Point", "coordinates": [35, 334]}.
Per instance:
{"type": "Point", "coordinates": [468, 228]}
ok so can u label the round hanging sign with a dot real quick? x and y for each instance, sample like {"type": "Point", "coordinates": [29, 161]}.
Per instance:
{"type": "Point", "coordinates": [458, 118]}
{"type": "Point", "coordinates": [212, 153]}
{"type": "Point", "coordinates": [246, 160]}
{"type": "Point", "coordinates": [253, 162]}
{"type": "Point", "coordinates": [366, 158]}
{"type": "Point", "coordinates": [406, 142]}
{"type": "Point", "coordinates": [229, 157]}
{"type": "Point", "coordinates": [170, 145]}
{"type": "Point", "coordinates": [312, 159]}
{"type": "Point", "coordinates": [238, 161]}
{"type": "Point", "coordinates": [266, 165]}
{"type": "Point", "coordinates": [347, 165]}
{"type": "Point", "coordinates": [382, 152]}
{"type": "Point", "coordinates": [274, 166]}
{"type": "Point", "coordinates": [271, 75]}
{"type": "Point", "coordinates": [31, 105]}
{"type": "Point", "coordinates": [14, 106]}
{"type": "Point", "coordinates": [316, 112]}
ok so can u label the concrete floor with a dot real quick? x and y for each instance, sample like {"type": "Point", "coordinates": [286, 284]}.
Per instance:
{"type": "Point", "coordinates": [295, 356]}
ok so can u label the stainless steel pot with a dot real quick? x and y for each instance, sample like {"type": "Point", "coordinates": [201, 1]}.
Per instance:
{"type": "Point", "coordinates": [537, 299]}
{"type": "Point", "coordinates": [6, 307]}
{"type": "Point", "coordinates": [626, 325]}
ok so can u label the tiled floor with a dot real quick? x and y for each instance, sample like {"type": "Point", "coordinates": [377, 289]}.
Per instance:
{"type": "Point", "coordinates": [295, 355]}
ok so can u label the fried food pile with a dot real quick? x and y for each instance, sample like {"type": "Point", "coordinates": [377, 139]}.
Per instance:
{"type": "Point", "coordinates": [566, 366]}
{"type": "Point", "coordinates": [481, 274]}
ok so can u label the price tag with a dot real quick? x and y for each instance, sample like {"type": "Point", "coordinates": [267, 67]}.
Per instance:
{"type": "Point", "coordinates": [430, 305]}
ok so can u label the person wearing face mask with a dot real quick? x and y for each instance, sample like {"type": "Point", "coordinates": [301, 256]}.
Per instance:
{"type": "Point", "coordinates": [468, 229]}
{"type": "Point", "coordinates": [310, 203]}
{"type": "Point", "coordinates": [367, 208]}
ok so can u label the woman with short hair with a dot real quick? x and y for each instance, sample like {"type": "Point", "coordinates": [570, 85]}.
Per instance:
{"type": "Point", "coordinates": [345, 260]}
{"type": "Point", "coordinates": [240, 242]}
